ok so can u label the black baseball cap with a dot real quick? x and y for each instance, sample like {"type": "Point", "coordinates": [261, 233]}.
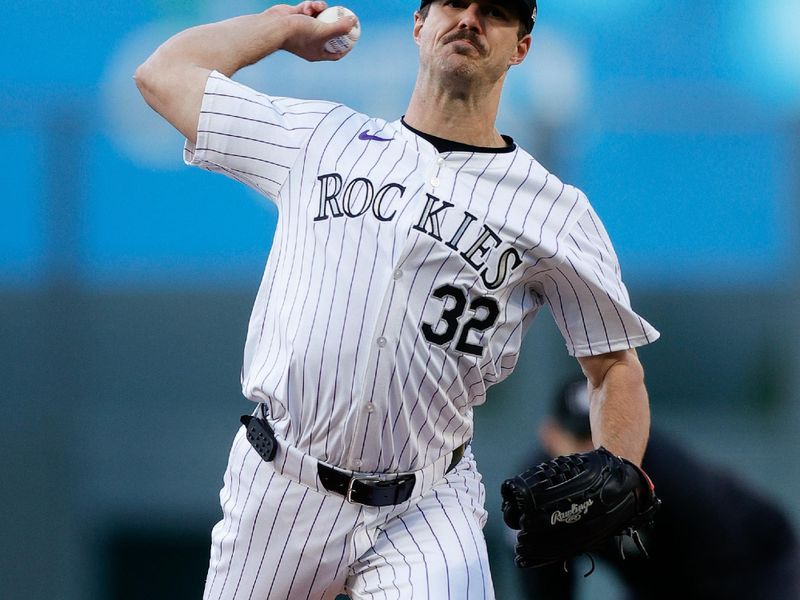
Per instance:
{"type": "Point", "coordinates": [571, 408]}
{"type": "Point", "coordinates": [527, 9]}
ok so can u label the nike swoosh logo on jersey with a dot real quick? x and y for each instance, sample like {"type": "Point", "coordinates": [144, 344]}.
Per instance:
{"type": "Point", "coordinates": [365, 136]}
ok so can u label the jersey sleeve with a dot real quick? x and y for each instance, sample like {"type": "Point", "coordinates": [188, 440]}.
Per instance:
{"type": "Point", "coordinates": [249, 136]}
{"type": "Point", "coordinates": [586, 295]}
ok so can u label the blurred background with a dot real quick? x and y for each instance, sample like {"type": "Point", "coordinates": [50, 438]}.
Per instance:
{"type": "Point", "coordinates": [126, 279]}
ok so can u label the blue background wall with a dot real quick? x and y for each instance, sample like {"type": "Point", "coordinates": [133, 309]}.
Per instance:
{"type": "Point", "coordinates": [126, 279]}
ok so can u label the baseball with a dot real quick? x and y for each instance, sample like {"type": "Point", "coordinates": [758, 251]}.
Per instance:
{"type": "Point", "coordinates": [343, 43]}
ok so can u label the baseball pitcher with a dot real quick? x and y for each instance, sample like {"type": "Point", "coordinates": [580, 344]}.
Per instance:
{"type": "Point", "coordinates": [409, 259]}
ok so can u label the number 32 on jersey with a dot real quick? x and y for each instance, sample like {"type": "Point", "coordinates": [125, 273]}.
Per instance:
{"type": "Point", "coordinates": [460, 319]}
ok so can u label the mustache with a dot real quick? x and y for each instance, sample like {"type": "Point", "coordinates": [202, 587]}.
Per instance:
{"type": "Point", "coordinates": [465, 34]}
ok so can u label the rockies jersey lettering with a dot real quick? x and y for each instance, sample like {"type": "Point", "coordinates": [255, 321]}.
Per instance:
{"type": "Point", "coordinates": [401, 280]}
{"type": "Point", "coordinates": [361, 191]}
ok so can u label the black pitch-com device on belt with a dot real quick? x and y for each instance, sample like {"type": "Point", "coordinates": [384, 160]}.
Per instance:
{"type": "Point", "coordinates": [260, 436]}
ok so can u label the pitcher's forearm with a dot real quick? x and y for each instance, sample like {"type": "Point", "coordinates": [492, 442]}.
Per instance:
{"type": "Point", "coordinates": [173, 79]}
{"type": "Point", "coordinates": [225, 46]}
{"type": "Point", "coordinates": [621, 420]}
{"type": "Point", "coordinates": [619, 406]}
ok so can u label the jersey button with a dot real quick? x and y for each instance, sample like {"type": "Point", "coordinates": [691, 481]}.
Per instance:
{"type": "Point", "coordinates": [357, 463]}
{"type": "Point", "coordinates": [397, 274]}
{"type": "Point", "coordinates": [381, 341]}
{"type": "Point", "coordinates": [435, 182]}
{"type": "Point", "coordinates": [440, 161]}
{"type": "Point", "coordinates": [370, 407]}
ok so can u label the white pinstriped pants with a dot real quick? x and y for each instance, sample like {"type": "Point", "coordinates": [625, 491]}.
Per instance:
{"type": "Point", "coordinates": [283, 540]}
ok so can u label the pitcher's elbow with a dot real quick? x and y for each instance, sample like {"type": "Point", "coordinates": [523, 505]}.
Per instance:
{"type": "Point", "coordinates": [146, 78]}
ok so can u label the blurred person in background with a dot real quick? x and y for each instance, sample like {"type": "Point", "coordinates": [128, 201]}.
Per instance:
{"type": "Point", "coordinates": [714, 538]}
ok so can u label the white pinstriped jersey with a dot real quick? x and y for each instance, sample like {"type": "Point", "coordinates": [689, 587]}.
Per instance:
{"type": "Point", "coordinates": [401, 280]}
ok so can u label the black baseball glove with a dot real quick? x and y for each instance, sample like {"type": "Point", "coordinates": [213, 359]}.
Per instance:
{"type": "Point", "coordinates": [573, 504]}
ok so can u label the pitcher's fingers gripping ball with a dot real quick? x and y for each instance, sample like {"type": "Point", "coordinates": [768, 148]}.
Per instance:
{"type": "Point", "coordinates": [343, 43]}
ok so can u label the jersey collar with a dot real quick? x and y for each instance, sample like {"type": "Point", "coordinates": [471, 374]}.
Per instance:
{"type": "Point", "coordinates": [443, 145]}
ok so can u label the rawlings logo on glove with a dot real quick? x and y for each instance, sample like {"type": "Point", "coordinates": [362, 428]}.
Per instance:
{"type": "Point", "coordinates": [573, 515]}
{"type": "Point", "coordinates": [573, 504]}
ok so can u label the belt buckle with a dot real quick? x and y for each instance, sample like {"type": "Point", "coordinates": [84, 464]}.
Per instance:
{"type": "Point", "coordinates": [349, 495]}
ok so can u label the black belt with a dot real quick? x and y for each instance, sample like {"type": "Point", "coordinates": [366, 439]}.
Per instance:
{"type": "Point", "coordinates": [371, 489]}
{"type": "Point", "coordinates": [359, 488]}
